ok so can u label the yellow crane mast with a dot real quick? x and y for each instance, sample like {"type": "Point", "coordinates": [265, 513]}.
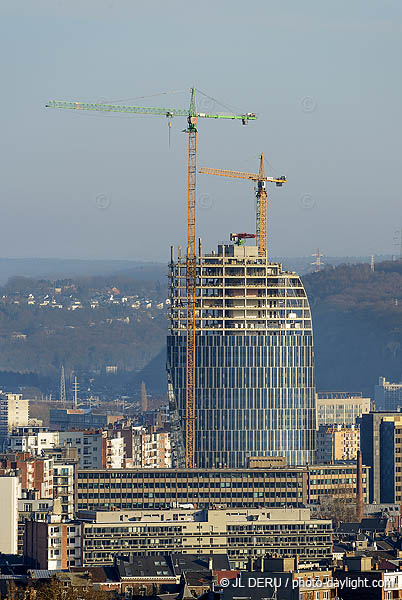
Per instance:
{"type": "Point", "coordinates": [261, 194]}
{"type": "Point", "coordinates": [191, 260]}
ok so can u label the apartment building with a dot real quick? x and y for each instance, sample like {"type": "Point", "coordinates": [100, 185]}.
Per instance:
{"type": "Point", "coordinates": [35, 442]}
{"type": "Point", "coordinates": [14, 412]}
{"type": "Point", "coordinates": [156, 449]}
{"type": "Point", "coordinates": [54, 544]}
{"type": "Point", "coordinates": [337, 442]}
{"type": "Point", "coordinates": [96, 449]}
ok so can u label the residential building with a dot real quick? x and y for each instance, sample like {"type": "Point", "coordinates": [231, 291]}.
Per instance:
{"type": "Point", "coordinates": [337, 442]}
{"type": "Point", "coordinates": [207, 488]}
{"type": "Point", "coordinates": [9, 494]}
{"type": "Point", "coordinates": [341, 408]}
{"type": "Point", "coordinates": [254, 360]}
{"type": "Point", "coordinates": [147, 447]}
{"type": "Point", "coordinates": [33, 508]}
{"type": "Point", "coordinates": [88, 445]}
{"type": "Point", "coordinates": [14, 412]}
{"type": "Point", "coordinates": [387, 396]}
{"type": "Point", "coordinates": [54, 544]}
{"type": "Point", "coordinates": [112, 449]}
{"type": "Point", "coordinates": [36, 474]}
{"type": "Point", "coordinates": [34, 442]}
{"type": "Point", "coordinates": [241, 534]}
{"type": "Point", "coordinates": [155, 449]}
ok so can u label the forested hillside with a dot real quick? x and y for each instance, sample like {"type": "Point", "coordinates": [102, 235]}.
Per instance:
{"type": "Point", "coordinates": [89, 323]}
{"type": "Point", "coordinates": [85, 324]}
{"type": "Point", "coordinates": [357, 318]}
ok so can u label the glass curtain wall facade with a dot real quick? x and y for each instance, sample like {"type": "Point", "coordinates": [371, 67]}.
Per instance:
{"type": "Point", "coordinates": [254, 375]}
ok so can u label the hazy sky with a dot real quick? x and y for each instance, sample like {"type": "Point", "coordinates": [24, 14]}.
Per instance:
{"type": "Point", "coordinates": [324, 78]}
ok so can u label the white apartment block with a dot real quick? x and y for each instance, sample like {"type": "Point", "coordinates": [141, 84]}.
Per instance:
{"type": "Point", "coordinates": [96, 449]}
{"type": "Point", "coordinates": [156, 450]}
{"type": "Point", "coordinates": [14, 412]}
{"type": "Point", "coordinates": [9, 493]}
{"type": "Point", "coordinates": [88, 444]}
{"type": "Point", "coordinates": [34, 443]}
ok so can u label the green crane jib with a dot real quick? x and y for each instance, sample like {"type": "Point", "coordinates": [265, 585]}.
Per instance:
{"type": "Point", "coordinates": [191, 262]}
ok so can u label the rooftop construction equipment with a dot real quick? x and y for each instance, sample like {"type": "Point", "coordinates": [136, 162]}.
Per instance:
{"type": "Point", "coordinates": [261, 194]}
{"type": "Point", "coordinates": [191, 262]}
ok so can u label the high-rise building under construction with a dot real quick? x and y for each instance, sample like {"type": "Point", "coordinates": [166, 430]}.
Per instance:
{"type": "Point", "coordinates": [254, 363]}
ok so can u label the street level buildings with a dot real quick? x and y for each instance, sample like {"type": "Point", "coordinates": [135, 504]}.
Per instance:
{"type": "Point", "coordinates": [254, 363]}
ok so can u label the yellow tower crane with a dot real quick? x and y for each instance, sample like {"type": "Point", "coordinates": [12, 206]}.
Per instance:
{"type": "Point", "coordinates": [261, 194]}
{"type": "Point", "coordinates": [191, 260]}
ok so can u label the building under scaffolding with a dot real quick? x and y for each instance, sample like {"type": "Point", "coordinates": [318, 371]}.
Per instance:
{"type": "Point", "coordinates": [254, 364]}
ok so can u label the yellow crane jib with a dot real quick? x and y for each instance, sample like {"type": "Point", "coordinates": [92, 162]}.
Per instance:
{"type": "Point", "coordinates": [261, 194]}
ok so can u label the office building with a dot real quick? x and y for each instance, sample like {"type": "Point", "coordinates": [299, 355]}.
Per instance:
{"type": "Point", "coordinates": [254, 364]}
{"type": "Point", "coordinates": [387, 396]}
{"type": "Point", "coordinates": [337, 442]}
{"type": "Point", "coordinates": [62, 419]}
{"type": "Point", "coordinates": [340, 408]}
{"type": "Point", "coordinates": [380, 440]}
{"type": "Point", "coordinates": [241, 534]}
{"type": "Point", "coordinates": [208, 488]}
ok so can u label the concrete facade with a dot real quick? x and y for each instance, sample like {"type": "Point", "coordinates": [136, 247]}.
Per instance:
{"type": "Point", "coordinates": [9, 493]}
{"type": "Point", "coordinates": [241, 533]}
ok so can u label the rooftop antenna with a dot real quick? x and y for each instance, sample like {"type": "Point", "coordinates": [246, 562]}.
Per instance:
{"type": "Point", "coordinates": [63, 397]}
{"type": "Point", "coordinates": [318, 262]}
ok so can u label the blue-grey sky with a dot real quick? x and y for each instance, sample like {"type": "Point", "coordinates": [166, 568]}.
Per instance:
{"type": "Point", "coordinates": [324, 78]}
